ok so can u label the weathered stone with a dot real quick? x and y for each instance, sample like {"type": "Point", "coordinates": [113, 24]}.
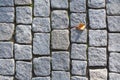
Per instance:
{"type": "Point", "coordinates": [23, 70]}
{"type": "Point", "coordinates": [62, 4]}
{"type": "Point", "coordinates": [78, 78]}
{"type": "Point", "coordinates": [78, 5]}
{"type": "Point", "coordinates": [79, 67]}
{"type": "Point", "coordinates": [23, 52]}
{"type": "Point", "coordinates": [60, 75]}
{"type": "Point", "coordinates": [41, 66]}
{"type": "Point", "coordinates": [41, 25]}
{"type": "Point", "coordinates": [6, 78]}
{"type": "Point", "coordinates": [60, 39]}
{"type": "Point", "coordinates": [97, 37]}
{"type": "Point", "coordinates": [78, 51]}
{"type": "Point", "coordinates": [59, 19]}
{"type": "Point", "coordinates": [114, 76]}
{"type": "Point", "coordinates": [7, 67]}
{"type": "Point", "coordinates": [60, 60]}
{"type": "Point", "coordinates": [97, 18]}
{"type": "Point", "coordinates": [97, 56]}
{"type": "Point", "coordinates": [41, 7]}
{"type": "Point", "coordinates": [24, 15]}
{"type": "Point", "coordinates": [23, 34]}
{"type": "Point", "coordinates": [6, 3]}
{"type": "Point", "coordinates": [98, 74]}
{"type": "Point", "coordinates": [6, 50]}
{"type": "Point", "coordinates": [78, 36]}
{"type": "Point", "coordinates": [41, 78]}
{"type": "Point", "coordinates": [6, 14]}
{"type": "Point", "coordinates": [23, 2]}
{"type": "Point", "coordinates": [41, 44]}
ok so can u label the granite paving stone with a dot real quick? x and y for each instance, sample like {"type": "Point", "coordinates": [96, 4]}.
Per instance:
{"type": "Point", "coordinates": [23, 2]}
{"type": "Point", "coordinates": [6, 77]}
{"type": "Point", "coordinates": [78, 78]}
{"type": "Point", "coordinates": [6, 2]}
{"type": "Point", "coordinates": [114, 76]}
{"type": "Point", "coordinates": [41, 78]}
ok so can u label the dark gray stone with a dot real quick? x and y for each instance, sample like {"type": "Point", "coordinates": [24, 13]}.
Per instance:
{"type": "Point", "coordinates": [6, 2]}
{"type": "Point", "coordinates": [114, 76]}
{"type": "Point", "coordinates": [78, 78]}
{"type": "Point", "coordinates": [23, 2]}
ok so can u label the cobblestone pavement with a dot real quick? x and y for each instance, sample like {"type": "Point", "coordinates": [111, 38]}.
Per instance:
{"type": "Point", "coordinates": [39, 41]}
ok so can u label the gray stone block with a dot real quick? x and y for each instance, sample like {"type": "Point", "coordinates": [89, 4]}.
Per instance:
{"type": "Point", "coordinates": [78, 51]}
{"type": "Point", "coordinates": [59, 19]}
{"type": "Point", "coordinates": [41, 66]}
{"type": "Point", "coordinates": [41, 7]}
{"type": "Point", "coordinates": [97, 37]}
{"type": "Point", "coordinates": [23, 52]}
{"type": "Point", "coordinates": [98, 74]}
{"type": "Point", "coordinates": [41, 44]}
{"type": "Point", "coordinates": [114, 76]}
{"type": "Point", "coordinates": [6, 77]}
{"type": "Point", "coordinates": [23, 70]}
{"type": "Point", "coordinates": [6, 14]}
{"type": "Point", "coordinates": [23, 34]}
{"type": "Point", "coordinates": [78, 5]}
{"type": "Point", "coordinates": [6, 50]}
{"type": "Point", "coordinates": [60, 39]}
{"type": "Point", "coordinates": [97, 56]}
{"type": "Point", "coordinates": [7, 67]}
{"type": "Point", "coordinates": [78, 36]}
{"type": "Point", "coordinates": [60, 75]}
{"type": "Point", "coordinates": [23, 2]}
{"type": "Point", "coordinates": [78, 78]}
{"type": "Point", "coordinates": [97, 18]}
{"type": "Point", "coordinates": [79, 67]}
{"type": "Point", "coordinates": [60, 60]}
{"type": "Point", "coordinates": [41, 78]}
{"type": "Point", "coordinates": [41, 25]}
{"type": "Point", "coordinates": [24, 15]}
{"type": "Point", "coordinates": [7, 3]}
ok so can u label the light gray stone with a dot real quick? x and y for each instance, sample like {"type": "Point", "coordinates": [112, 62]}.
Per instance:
{"type": "Point", "coordinates": [41, 66]}
{"type": "Point", "coordinates": [6, 2]}
{"type": "Point", "coordinates": [60, 39]}
{"type": "Point", "coordinates": [41, 44]}
{"type": "Point", "coordinates": [6, 14]}
{"type": "Point", "coordinates": [60, 75]}
{"type": "Point", "coordinates": [78, 36]}
{"type": "Point", "coordinates": [41, 8]}
{"type": "Point", "coordinates": [23, 70]}
{"type": "Point", "coordinates": [97, 18]}
{"type": "Point", "coordinates": [60, 60]}
{"type": "Point", "coordinates": [6, 78]}
{"type": "Point", "coordinates": [114, 23]}
{"type": "Point", "coordinates": [23, 52]}
{"type": "Point", "coordinates": [41, 78]}
{"type": "Point", "coordinates": [41, 25]}
{"type": "Point", "coordinates": [78, 51]}
{"type": "Point", "coordinates": [97, 56]}
{"type": "Point", "coordinates": [78, 78]}
{"type": "Point", "coordinates": [113, 42]}
{"type": "Point", "coordinates": [6, 50]}
{"type": "Point", "coordinates": [114, 76]}
{"type": "Point", "coordinates": [24, 15]}
{"type": "Point", "coordinates": [76, 18]}
{"type": "Point", "coordinates": [98, 74]}
{"type": "Point", "coordinates": [59, 19]}
{"type": "Point", "coordinates": [6, 31]}
{"type": "Point", "coordinates": [79, 67]}
{"type": "Point", "coordinates": [23, 2]}
{"type": "Point", "coordinates": [7, 67]}
{"type": "Point", "coordinates": [23, 34]}
{"type": "Point", "coordinates": [97, 37]}
{"type": "Point", "coordinates": [114, 62]}
{"type": "Point", "coordinates": [78, 5]}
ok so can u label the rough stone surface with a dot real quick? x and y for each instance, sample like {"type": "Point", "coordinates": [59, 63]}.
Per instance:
{"type": "Point", "coordinates": [41, 25]}
{"type": "Point", "coordinates": [78, 36]}
{"type": "Point", "coordinates": [60, 75]}
{"type": "Point", "coordinates": [6, 3]}
{"type": "Point", "coordinates": [78, 78]}
{"type": "Point", "coordinates": [6, 78]}
{"type": "Point", "coordinates": [79, 67]}
{"type": "Point", "coordinates": [97, 18]}
{"type": "Point", "coordinates": [23, 70]}
{"type": "Point", "coordinates": [41, 78]}
{"type": "Point", "coordinates": [23, 2]}
{"type": "Point", "coordinates": [41, 66]}
{"type": "Point", "coordinates": [23, 52]}
{"type": "Point", "coordinates": [41, 7]}
{"type": "Point", "coordinates": [113, 42]}
{"type": "Point", "coordinates": [114, 76]}
{"type": "Point", "coordinates": [41, 44]}
{"type": "Point", "coordinates": [23, 34]}
{"type": "Point", "coordinates": [97, 37]}
{"type": "Point", "coordinates": [97, 56]}
{"type": "Point", "coordinates": [7, 67]}
{"type": "Point", "coordinates": [78, 51]}
{"type": "Point", "coordinates": [60, 39]}
{"type": "Point", "coordinates": [6, 14]}
{"type": "Point", "coordinates": [6, 50]}
{"type": "Point", "coordinates": [78, 5]}
{"type": "Point", "coordinates": [60, 60]}
{"type": "Point", "coordinates": [98, 74]}
{"type": "Point", "coordinates": [59, 19]}
{"type": "Point", "coordinates": [24, 15]}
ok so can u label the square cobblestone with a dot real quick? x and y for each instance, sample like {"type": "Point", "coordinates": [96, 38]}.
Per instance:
{"type": "Point", "coordinates": [41, 78]}
{"type": "Point", "coordinates": [78, 78]}
{"type": "Point", "coordinates": [6, 77]}
{"type": "Point", "coordinates": [23, 2]}
{"type": "Point", "coordinates": [114, 76]}
{"type": "Point", "coordinates": [6, 2]}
